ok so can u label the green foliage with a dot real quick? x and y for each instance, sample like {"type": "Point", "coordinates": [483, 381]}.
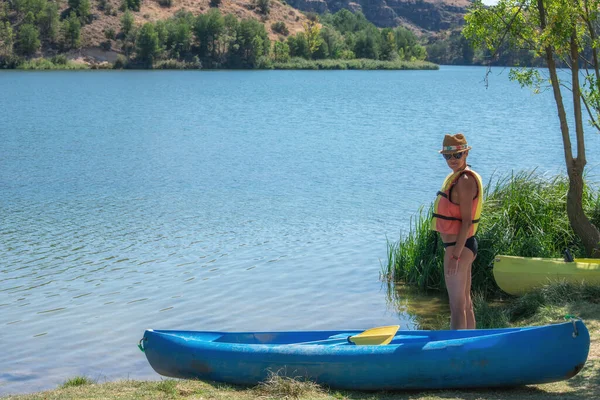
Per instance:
{"type": "Point", "coordinates": [358, 64]}
{"type": "Point", "coordinates": [312, 34]}
{"type": "Point", "coordinates": [208, 28]}
{"type": "Point", "coordinates": [345, 21]}
{"type": "Point", "coordinates": [280, 52]}
{"type": "Point", "coordinates": [82, 9]}
{"type": "Point", "coordinates": [280, 27]}
{"type": "Point", "coordinates": [147, 44]}
{"type": "Point", "coordinates": [71, 31]}
{"type": "Point", "coordinates": [215, 3]}
{"type": "Point", "coordinates": [263, 6]}
{"type": "Point", "coordinates": [251, 43]}
{"type": "Point", "coordinates": [77, 381]}
{"type": "Point", "coordinates": [23, 7]}
{"type": "Point", "coordinates": [133, 5]}
{"type": "Point", "coordinates": [334, 41]}
{"type": "Point", "coordinates": [49, 21]}
{"type": "Point", "coordinates": [7, 39]}
{"type": "Point", "coordinates": [523, 215]}
{"type": "Point", "coordinates": [216, 40]}
{"type": "Point", "coordinates": [28, 39]}
{"type": "Point", "coordinates": [110, 34]}
{"type": "Point", "coordinates": [389, 48]}
{"type": "Point", "coordinates": [368, 43]}
{"type": "Point", "coordinates": [298, 46]}
{"type": "Point", "coordinates": [121, 62]}
{"type": "Point", "coordinates": [52, 64]}
{"type": "Point", "coordinates": [167, 3]}
{"type": "Point", "coordinates": [127, 22]}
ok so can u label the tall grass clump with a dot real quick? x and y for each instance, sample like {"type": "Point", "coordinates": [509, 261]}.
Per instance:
{"type": "Point", "coordinates": [524, 214]}
{"type": "Point", "coordinates": [77, 381]}
{"type": "Point", "coordinates": [283, 387]}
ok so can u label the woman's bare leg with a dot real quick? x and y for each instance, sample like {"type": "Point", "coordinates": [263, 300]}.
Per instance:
{"type": "Point", "coordinates": [460, 303]}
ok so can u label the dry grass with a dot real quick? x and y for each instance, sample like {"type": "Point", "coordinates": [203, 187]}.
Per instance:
{"type": "Point", "coordinates": [151, 11]}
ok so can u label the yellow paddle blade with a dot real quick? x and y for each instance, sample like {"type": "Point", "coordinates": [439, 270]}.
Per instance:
{"type": "Point", "coordinates": [375, 336]}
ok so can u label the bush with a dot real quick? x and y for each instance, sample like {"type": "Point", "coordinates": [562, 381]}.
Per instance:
{"type": "Point", "coordinates": [106, 45]}
{"type": "Point", "coordinates": [263, 6]}
{"type": "Point", "coordinates": [59, 59]}
{"type": "Point", "coordinates": [110, 34]}
{"type": "Point", "coordinates": [215, 3]}
{"type": "Point", "coordinates": [121, 62]}
{"type": "Point", "coordinates": [280, 27]}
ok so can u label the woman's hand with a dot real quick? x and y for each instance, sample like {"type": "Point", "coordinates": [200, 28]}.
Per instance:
{"type": "Point", "coordinates": [452, 266]}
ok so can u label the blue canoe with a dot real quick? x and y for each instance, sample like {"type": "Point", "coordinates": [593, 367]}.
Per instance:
{"type": "Point", "coordinates": [413, 359]}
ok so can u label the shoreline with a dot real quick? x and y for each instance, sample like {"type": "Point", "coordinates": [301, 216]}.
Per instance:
{"type": "Point", "coordinates": [583, 385]}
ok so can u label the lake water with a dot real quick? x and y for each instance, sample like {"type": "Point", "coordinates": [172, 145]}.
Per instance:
{"type": "Point", "coordinates": [234, 200]}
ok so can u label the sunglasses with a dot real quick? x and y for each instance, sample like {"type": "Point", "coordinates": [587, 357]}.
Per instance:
{"type": "Point", "coordinates": [458, 156]}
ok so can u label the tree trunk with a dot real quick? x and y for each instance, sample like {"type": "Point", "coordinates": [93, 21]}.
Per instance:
{"type": "Point", "coordinates": [581, 225]}
{"type": "Point", "coordinates": [587, 232]}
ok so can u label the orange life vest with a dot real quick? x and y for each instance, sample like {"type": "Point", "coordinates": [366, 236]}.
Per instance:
{"type": "Point", "coordinates": [446, 215]}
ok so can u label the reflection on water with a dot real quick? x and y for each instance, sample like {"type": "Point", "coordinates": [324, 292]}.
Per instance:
{"type": "Point", "coordinates": [426, 310]}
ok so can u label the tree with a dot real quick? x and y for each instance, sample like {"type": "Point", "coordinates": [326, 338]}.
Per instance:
{"type": "Point", "coordinates": [312, 33]}
{"type": "Point", "coordinates": [208, 28]}
{"type": "Point", "coordinates": [81, 8]}
{"type": "Point", "coordinates": [29, 39]}
{"type": "Point", "coordinates": [71, 31]}
{"type": "Point", "coordinates": [127, 22]}
{"type": "Point", "coordinates": [298, 45]}
{"type": "Point", "coordinates": [367, 44]}
{"type": "Point", "coordinates": [280, 52]}
{"type": "Point", "coordinates": [264, 6]}
{"type": "Point", "coordinates": [147, 44]}
{"type": "Point", "coordinates": [7, 39]}
{"type": "Point", "coordinates": [389, 48]}
{"type": "Point", "coordinates": [48, 21]}
{"type": "Point", "coordinates": [131, 5]}
{"type": "Point", "coordinates": [563, 33]}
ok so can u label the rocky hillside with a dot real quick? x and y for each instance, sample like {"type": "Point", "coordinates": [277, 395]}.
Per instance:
{"type": "Point", "coordinates": [425, 16]}
{"type": "Point", "coordinates": [150, 11]}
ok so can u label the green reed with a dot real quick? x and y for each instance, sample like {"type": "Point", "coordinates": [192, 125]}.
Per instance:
{"type": "Point", "coordinates": [524, 214]}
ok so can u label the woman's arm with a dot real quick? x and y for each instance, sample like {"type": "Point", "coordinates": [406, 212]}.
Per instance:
{"type": "Point", "coordinates": [467, 189]}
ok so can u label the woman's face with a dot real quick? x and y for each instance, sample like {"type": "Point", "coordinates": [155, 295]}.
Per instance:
{"type": "Point", "coordinates": [456, 163]}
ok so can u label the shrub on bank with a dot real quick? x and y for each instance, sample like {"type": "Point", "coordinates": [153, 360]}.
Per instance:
{"type": "Point", "coordinates": [523, 214]}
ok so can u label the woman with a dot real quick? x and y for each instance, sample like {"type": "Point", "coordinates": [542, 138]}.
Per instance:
{"type": "Point", "coordinates": [456, 216]}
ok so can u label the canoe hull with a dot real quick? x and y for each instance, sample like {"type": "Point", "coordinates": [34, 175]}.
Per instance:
{"type": "Point", "coordinates": [518, 275]}
{"type": "Point", "coordinates": [414, 359]}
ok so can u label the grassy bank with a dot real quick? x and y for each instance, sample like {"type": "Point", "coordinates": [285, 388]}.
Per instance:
{"type": "Point", "coordinates": [61, 63]}
{"type": "Point", "coordinates": [361, 64]}
{"type": "Point", "coordinates": [548, 305]}
{"type": "Point", "coordinates": [55, 63]}
{"type": "Point", "coordinates": [523, 215]}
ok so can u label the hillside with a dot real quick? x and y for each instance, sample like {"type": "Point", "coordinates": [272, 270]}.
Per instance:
{"type": "Point", "coordinates": [197, 34]}
{"type": "Point", "coordinates": [152, 11]}
{"type": "Point", "coordinates": [421, 16]}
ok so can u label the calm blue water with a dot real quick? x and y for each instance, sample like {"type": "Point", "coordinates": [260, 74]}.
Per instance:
{"type": "Point", "coordinates": [257, 200]}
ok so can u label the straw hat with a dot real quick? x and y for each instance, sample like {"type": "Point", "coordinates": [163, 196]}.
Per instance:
{"type": "Point", "coordinates": [454, 144]}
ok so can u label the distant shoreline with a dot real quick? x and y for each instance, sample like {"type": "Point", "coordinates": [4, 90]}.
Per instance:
{"type": "Point", "coordinates": [45, 64]}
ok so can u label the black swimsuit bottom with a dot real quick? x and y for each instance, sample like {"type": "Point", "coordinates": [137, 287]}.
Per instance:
{"type": "Point", "coordinates": [470, 244]}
